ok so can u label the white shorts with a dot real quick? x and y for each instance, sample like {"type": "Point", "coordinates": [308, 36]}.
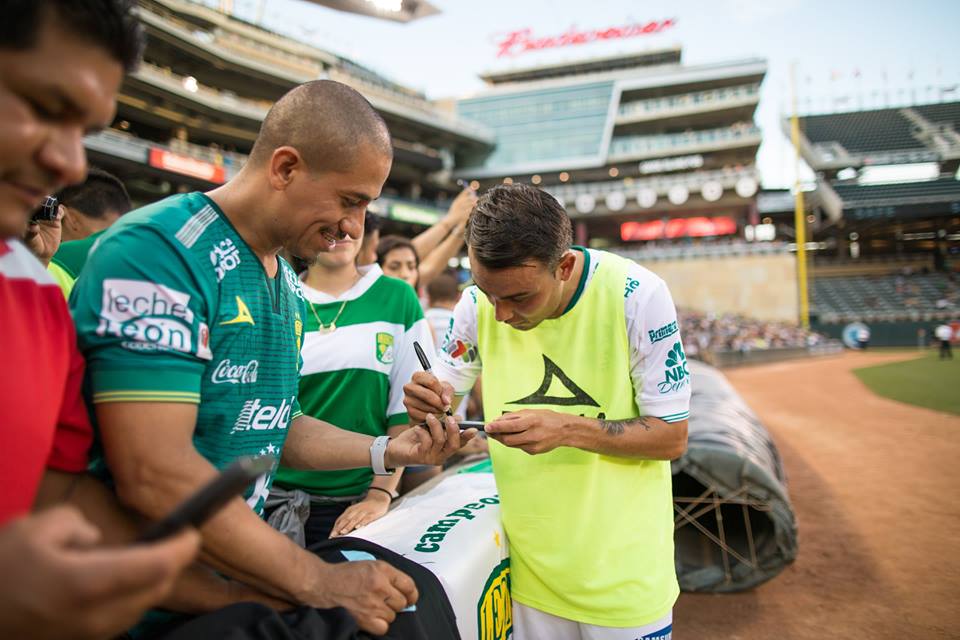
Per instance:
{"type": "Point", "coordinates": [533, 624]}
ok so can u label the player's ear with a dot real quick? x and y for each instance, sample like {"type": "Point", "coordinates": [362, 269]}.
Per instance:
{"type": "Point", "coordinates": [284, 163]}
{"type": "Point", "coordinates": [566, 264]}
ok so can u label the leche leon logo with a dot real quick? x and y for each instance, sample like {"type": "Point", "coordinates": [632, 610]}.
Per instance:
{"type": "Point", "coordinates": [148, 316]}
{"type": "Point", "coordinates": [231, 373]}
{"type": "Point", "coordinates": [523, 40]}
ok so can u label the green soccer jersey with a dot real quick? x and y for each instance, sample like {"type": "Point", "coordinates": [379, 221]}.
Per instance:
{"type": "Point", "coordinates": [353, 376]}
{"type": "Point", "coordinates": [173, 306]}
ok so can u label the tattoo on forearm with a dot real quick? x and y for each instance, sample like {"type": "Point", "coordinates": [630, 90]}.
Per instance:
{"type": "Point", "coordinates": [617, 427]}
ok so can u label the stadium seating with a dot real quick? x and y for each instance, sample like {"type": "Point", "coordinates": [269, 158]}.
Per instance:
{"type": "Point", "coordinates": [854, 195]}
{"type": "Point", "coordinates": [948, 113]}
{"type": "Point", "coordinates": [883, 297]}
{"type": "Point", "coordinates": [863, 131]}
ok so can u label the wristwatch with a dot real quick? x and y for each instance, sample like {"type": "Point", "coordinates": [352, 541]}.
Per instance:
{"type": "Point", "coordinates": [377, 451]}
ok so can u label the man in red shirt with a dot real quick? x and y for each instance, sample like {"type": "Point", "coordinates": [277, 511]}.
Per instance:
{"type": "Point", "coordinates": [61, 64]}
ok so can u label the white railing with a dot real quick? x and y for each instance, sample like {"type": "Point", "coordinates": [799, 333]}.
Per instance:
{"type": "Point", "coordinates": [712, 99]}
{"type": "Point", "coordinates": [719, 249]}
{"type": "Point", "coordinates": [220, 100]}
{"type": "Point", "coordinates": [695, 181]}
{"type": "Point", "coordinates": [126, 145]}
{"type": "Point", "coordinates": [627, 147]}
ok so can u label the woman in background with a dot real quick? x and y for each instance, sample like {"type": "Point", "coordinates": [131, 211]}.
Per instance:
{"type": "Point", "coordinates": [357, 355]}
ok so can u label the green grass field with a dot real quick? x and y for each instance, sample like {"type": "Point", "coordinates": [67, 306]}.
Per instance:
{"type": "Point", "coordinates": [925, 382]}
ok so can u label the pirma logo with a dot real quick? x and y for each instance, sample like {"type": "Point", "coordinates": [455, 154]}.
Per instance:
{"type": "Point", "coordinates": [148, 315]}
{"type": "Point", "coordinates": [231, 373]}
{"type": "Point", "coordinates": [676, 375]}
{"type": "Point", "coordinates": [495, 609]}
{"type": "Point", "coordinates": [260, 417]}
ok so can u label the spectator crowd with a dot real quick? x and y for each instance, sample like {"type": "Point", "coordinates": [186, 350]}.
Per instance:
{"type": "Point", "coordinates": [705, 334]}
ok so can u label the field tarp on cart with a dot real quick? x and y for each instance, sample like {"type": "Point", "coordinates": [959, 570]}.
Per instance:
{"type": "Point", "coordinates": [735, 526]}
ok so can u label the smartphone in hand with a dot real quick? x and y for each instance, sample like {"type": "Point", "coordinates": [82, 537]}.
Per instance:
{"type": "Point", "coordinates": [199, 507]}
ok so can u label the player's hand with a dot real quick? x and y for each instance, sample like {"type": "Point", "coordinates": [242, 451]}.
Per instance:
{"type": "Point", "coordinates": [371, 590]}
{"type": "Point", "coordinates": [373, 507]}
{"type": "Point", "coordinates": [532, 430]}
{"type": "Point", "coordinates": [43, 237]}
{"type": "Point", "coordinates": [429, 444]}
{"type": "Point", "coordinates": [425, 394]}
{"type": "Point", "coordinates": [55, 585]}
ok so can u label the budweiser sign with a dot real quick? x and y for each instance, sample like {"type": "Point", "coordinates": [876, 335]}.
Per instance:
{"type": "Point", "coordinates": [517, 42]}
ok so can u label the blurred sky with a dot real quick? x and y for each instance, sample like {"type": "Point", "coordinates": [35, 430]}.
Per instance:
{"type": "Point", "coordinates": [849, 54]}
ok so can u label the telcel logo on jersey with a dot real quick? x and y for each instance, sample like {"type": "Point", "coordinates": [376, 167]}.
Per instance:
{"type": "Point", "coordinates": [235, 373]}
{"type": "Point", "coordinates": [263, 417]}
{"type": "Point", "coordinates": [150, 315]}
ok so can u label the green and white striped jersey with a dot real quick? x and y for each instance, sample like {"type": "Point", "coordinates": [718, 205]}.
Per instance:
{"type": "Point", "coordinates": [353, 377]}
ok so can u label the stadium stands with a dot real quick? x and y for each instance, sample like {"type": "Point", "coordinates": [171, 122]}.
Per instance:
{"type": "Point", "coordinates": [856, 195]}
{"type": "Point", "coordinates": [862, 131]}
{"type": "Point", "coordinates": [947, 113]}
{"type": "Point", "coordinates": [886, 297]}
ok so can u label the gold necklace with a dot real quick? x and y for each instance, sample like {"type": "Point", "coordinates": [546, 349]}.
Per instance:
{"type": "Point", "coordinates": [327, 328]}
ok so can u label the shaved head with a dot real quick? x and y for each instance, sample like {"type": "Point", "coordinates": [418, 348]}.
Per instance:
{"type": "Point", "coordinates": [327, 122]}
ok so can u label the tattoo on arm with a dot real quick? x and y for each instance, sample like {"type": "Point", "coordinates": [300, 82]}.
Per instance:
{"type": "Point", "coordinates": [617, 427]}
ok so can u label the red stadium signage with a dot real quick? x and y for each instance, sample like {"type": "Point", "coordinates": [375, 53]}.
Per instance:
{"type": "Point", "coordinates": [187, 166]}
{"type": "Point", "coordinates": [678, 228]}
{"type": "Point", "coordinates": [522, 41]}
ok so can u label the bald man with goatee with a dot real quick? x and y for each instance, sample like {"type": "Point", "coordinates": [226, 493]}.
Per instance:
{"type": "Point", "coordinates": [192, 324]}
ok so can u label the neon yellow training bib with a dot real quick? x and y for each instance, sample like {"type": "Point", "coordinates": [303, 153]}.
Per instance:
{"type": "Point", "coordinates": [591, 536]}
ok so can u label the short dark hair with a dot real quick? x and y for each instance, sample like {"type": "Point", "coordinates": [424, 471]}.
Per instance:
{"type": "Point", "coordinates": [99, 194]}
{"type": "Point", "coordinates": [326, 121]}
{"type": "Point", "coordinates": [513, 225]}
{"type": "Point", "coordinates": [111, 24]}
{"type": "Point", "coordinates": [443, 287]}
{"type": "Point", "coordinates": [389, 243]}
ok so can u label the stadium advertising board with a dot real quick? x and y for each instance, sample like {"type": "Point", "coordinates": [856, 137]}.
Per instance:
{"type": "Point", "coordinates": [162, 159]}
{"type": "Point", "coordinates": [454, 531]}
{"type": "Point", "coordinates": [698, 227]}
{"type": "Point", "coordinates": [523, 40]}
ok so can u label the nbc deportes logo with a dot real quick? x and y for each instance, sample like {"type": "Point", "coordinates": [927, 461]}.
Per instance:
{"type": "Point", "coordinates": [676, 375]}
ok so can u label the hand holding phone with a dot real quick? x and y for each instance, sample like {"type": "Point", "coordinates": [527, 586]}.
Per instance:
{"type": "Point", "coordinates": [199, 507]}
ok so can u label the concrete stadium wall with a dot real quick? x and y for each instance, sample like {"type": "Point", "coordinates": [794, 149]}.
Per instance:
{"type": "Point", "coordinates": [762, 287]}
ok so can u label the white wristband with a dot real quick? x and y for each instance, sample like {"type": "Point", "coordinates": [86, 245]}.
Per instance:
{"type": "Point", "coordinates": [377, 451]}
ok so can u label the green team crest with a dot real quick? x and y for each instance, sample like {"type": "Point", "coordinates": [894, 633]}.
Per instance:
{"type": "Point", "coordinates": [385, 347]}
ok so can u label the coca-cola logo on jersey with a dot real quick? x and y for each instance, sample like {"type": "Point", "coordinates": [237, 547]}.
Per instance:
{"type": "Point", "coordinates": [235, 373]}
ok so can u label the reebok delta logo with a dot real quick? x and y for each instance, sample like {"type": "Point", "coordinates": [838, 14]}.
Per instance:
{"type": "Point", "coordinates": [256, 416]}
{"type": "Point", "coordinates": [150, 316]}
{"type": "Point", "coordinates": [243, 314]}
{"type": "Point", "coordinates": [227, 372]}
{"type": "Point", "coordinates": [577, 397]}
{"type": "Point", "coordinates": [676, 376]}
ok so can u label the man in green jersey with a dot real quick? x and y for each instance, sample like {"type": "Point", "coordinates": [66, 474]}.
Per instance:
{"type": "Point", "coordinates": [192, 325]}
{"type": "Point", "coordinates": [585, 381]}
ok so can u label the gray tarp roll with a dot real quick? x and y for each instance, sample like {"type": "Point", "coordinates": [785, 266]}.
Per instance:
{"type": "Point", "coordinates": [732, 483]}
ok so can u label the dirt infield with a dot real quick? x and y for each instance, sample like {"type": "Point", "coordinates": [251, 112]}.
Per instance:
{"type": "Point", "coordinates": [876, 488]}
